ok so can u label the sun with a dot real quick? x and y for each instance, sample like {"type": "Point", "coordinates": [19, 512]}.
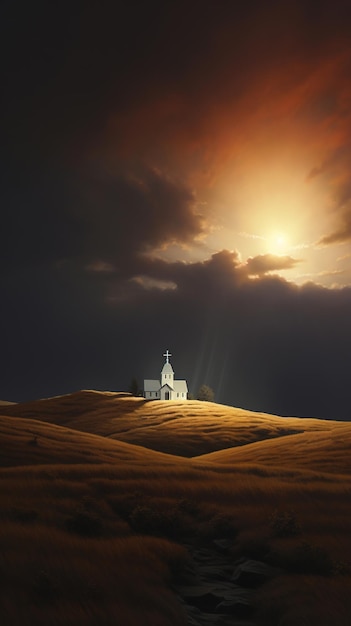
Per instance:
{"type": "Point", "coordinates": [280, 240]}
{"type": "Point", "coordinates": [278, 243]}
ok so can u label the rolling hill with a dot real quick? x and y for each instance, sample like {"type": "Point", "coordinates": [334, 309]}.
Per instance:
{"type": "Point", "coordinates": [182, 428]}
{"type": "Point", "coordinates": [109, 502]}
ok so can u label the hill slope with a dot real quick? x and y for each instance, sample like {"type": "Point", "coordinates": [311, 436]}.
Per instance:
{"type": "Point", "coordinates": [93, 528]}
{"type": "Point", "coordinates": [322, 451]}
{"type": "Point", "coordinates": [31, 442]}
{"type": "Point", "coordinates": [183, 428]}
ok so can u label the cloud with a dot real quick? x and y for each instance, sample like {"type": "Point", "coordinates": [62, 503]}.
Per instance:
{"type": "Point", "coordinates": [100, 266]}
{"type": "Point", "coordinates": [315, 171]}
{"type": "Point", "coordinates": [213, 279]}
{"type": "Point", "coordinates": [263, 344]}
{"type": "Point", "coordinates": [205, 280]}
{"type": "Point", "coordinates": [264, 263]}
{"type": "Point", "coordinates": [341, 234]}
{"type": "Point", "coordinates": [321, 274]}
{"type": "Point", "coordinates": [345, 257]}
{"type": "Point", "coordinates": [101, 221]}
{"type": "Point", "coordinates": [128, 214]}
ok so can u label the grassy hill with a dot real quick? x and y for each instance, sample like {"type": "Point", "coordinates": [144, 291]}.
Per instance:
{"type": "Point", "coordinates": [106, 498]}
{"type": "Point", "coordinates": [182, 428]}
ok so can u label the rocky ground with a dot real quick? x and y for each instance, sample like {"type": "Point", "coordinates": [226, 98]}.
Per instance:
{"type": "Point", "coordinates": [218, 590]}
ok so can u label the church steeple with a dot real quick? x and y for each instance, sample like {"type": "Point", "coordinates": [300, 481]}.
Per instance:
{"type": "Point", "coordinates": [169, 389]}
{"type": "Point", "coordinates": [167, 374]}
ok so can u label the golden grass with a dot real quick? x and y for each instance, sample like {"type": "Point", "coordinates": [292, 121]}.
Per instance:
{"type": "Point", "coordinates": [27, 441]}
{"type": "Point", "coordinates": [64, 456]}
{"type": "Point", "coordinates": [325, 451]}
{"type": "Point", "coordinates": [50, 577]}
{"type": "Point", "coordinates": [182, 428]}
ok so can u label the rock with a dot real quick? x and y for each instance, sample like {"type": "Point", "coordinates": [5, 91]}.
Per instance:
{"type": "Point", "coordinates": [222, 545]}
{"type": "Point", "coordinates": [215, 572]}
{"type": "Point", "coordinates": [250, 573]}
{"type": "Point", "coordinates": [204, 597]}
{"type": "Point", "coordinates": [236, 602]}
{"type": "Point", "coordinates": [218, 592]}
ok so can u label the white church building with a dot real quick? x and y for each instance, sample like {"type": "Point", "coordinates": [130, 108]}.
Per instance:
{"type": "Point", "coordinates": [167, 388]}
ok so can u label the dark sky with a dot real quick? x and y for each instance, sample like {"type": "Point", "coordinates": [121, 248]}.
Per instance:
{"type": "Point", "coordinates": [177, 175]}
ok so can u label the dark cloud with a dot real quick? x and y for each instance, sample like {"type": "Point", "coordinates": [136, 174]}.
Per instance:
{"type": "Point", "coordinates": [97, 220]}
{"type": "Point", "coordinates": [127, 215]}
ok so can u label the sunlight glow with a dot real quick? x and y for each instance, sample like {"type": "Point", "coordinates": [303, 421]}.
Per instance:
{"type": "Point", "coordinates": [278, 243]}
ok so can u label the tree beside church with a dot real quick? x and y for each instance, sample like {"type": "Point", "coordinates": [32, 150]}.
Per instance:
{"type": "Point", "coordinates": [205, 393]}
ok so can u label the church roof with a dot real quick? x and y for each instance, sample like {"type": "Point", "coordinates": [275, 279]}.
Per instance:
{"type": "Point", "coordinates": [180, 386]}
{"type": "Point", "coordinates": [152, 385]}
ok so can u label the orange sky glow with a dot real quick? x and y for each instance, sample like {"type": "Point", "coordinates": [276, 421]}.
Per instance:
{"type": "Point", "coordinates": [267, 156]}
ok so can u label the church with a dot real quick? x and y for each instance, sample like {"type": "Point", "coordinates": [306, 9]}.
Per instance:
{"type": "Point", "coordinates": [168, 388]}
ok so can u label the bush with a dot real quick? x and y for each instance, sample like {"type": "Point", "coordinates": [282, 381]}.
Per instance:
{"type": "Point", "coordinates": [145, 519]}
{"type": "Point", "coordinates": [44, 587]}
{"type": "Point", "coordinates": [305, 558]}
{"type": "Point", "coordinates": [285, 524]}
{"type": "Point", "coordinates": [84, 522]}
{"type": "Point", "coordinates": [342, 568]}
{"type": "Point", "coordinates": [25, 516]}
{"type": "Point", "coordinates": [173, 523]}
{"type": "Point", "coordinates": [310, 559]}
{"type": "Point", "coordinates": [219, 527]}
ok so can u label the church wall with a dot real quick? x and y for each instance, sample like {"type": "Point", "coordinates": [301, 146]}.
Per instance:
{"type": "Point", "coordinates": [152, 395]}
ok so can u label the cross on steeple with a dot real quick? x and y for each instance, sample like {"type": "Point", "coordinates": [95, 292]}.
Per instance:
{"type": "Point", "coordinates": [167, 355]}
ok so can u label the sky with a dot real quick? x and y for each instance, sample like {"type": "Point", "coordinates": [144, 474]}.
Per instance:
{"type": "Point", "coordinates": [176, 175]}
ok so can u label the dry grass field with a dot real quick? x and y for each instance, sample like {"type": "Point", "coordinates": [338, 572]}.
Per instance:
{"type": "Point", "coordinates": [104, 495]}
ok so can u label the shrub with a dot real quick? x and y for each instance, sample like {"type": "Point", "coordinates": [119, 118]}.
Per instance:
{"type": "Point", "coordinates": [305, 558]}
{"type": "Point", "coordinates": [342, 568]}
{"type": "Point", "coordinates": [44, 587]}
{"type": "Point", "coordinates": [25, 516]}
{"type": "Point", "coordinates": [285, 524]}
{"type": "Point", "coordinates": [172, 523]}
{"type": "Point", "coordinates": [220, 526]}
{"type": "Point", "coordinates": [189, 507]}
{"type": "Point", "coordinates": [84, 522]}
{"type": "Point", "coordinates": [147, 520]}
